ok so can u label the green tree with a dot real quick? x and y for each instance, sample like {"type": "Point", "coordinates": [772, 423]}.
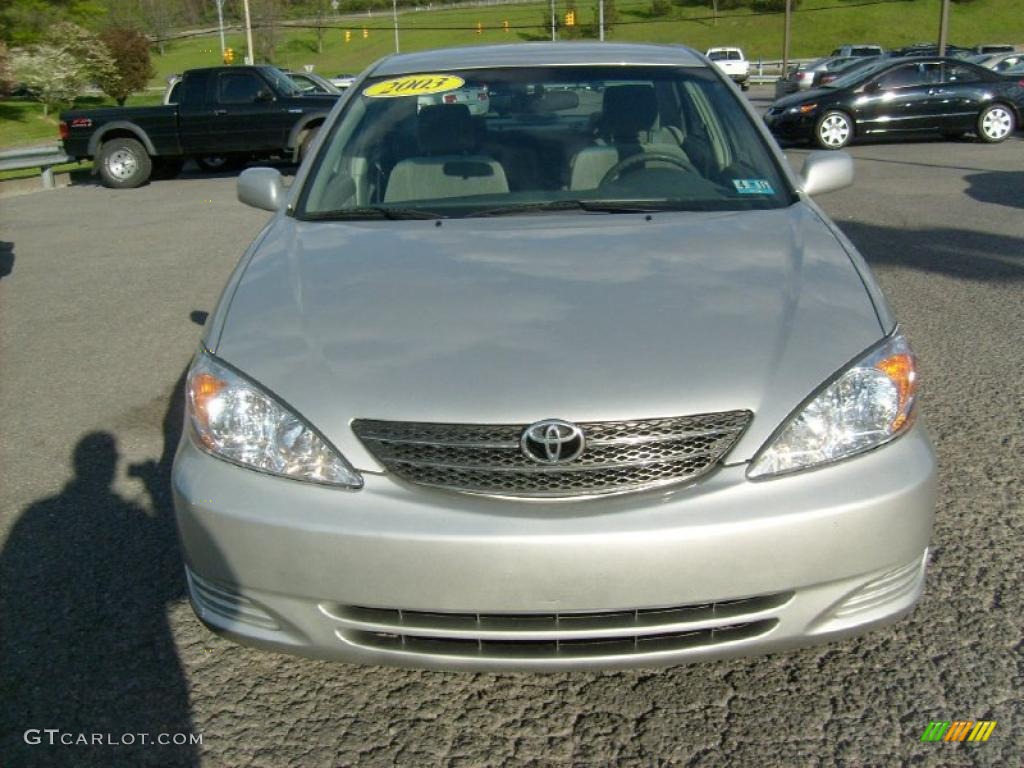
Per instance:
{"type": "Point", "coordinates": [84, 47]}
{"type": "Point", "coordinates": [24, 22]}
{"type": "Point", "coordinates": [52, 75]}
{"type": "Point", "coordinates": [6, 75]}
{"type": "Point", "coordinates": [132, 70]}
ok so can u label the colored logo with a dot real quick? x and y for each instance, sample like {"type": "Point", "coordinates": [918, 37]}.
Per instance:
{"type": "Point", "coordinates": [413, 85]}
{"type": "Point", "coordinates": [958, 730]}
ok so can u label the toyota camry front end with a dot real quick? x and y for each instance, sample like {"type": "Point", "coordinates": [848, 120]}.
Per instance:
{"type": "Point", "coordinates": [585, 381]}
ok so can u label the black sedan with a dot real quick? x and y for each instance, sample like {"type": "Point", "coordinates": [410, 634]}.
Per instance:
{"type": "Point", "coordinates": [899, 97]}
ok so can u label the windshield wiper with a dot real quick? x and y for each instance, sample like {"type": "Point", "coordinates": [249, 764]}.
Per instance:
{"type": "Point", "coordinates": [596, 206]}
{"type": "Point", "coordinates": [372, 212]}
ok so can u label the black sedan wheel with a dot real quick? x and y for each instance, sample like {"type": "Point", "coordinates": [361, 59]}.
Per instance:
{"type": "Point", "coordinates": [833, 130]}
{"type": "Point", "coordinates": [995, 123]}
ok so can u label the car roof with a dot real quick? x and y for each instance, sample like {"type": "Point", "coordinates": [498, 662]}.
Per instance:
{"type": "Point", "coordinates": [538, 55]}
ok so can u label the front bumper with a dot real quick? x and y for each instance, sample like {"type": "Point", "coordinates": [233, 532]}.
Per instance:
{"type": "Point", "coordinates": [791, 127]}
{"type": "Point", "coordinates": [404, 575]}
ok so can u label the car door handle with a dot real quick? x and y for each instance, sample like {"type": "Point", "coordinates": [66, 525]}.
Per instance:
{"type": "Point", "coordinates": [220, 111]}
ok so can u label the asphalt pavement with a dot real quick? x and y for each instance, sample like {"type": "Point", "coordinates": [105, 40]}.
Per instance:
{"type": "Point", "coordinates": [102, 294]}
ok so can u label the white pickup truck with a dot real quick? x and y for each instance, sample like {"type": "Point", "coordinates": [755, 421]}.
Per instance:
{"type": "Point", "coordinates": [733, 64]}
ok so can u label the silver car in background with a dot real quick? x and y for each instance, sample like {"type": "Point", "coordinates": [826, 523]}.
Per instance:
{"type": "Point", "coordinates": [589, 382]}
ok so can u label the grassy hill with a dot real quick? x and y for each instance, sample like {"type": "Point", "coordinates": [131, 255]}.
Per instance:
{"type": "Point", "coordinates": [818, 27]}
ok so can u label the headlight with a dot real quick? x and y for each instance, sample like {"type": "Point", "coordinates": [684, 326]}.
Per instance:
{"type": "Point", "coordinates": [235, 419]}
{"type": "Point", "coordinates": [869, 403]}
{"type": "Point", "coordinates": [802, 109]}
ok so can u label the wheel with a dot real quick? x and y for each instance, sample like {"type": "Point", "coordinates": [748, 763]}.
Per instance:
{"type": "Point", "coordinates": [833, 130]}
{"type": "Point", "coordinates": [744, 86]}
{"type": "Point", "coordinates": [212, 163]}
{"type": "Point", "coordinates": [124, 164]}
{"type": "Point", "coordinates": [167, 167]}
{"type": "Point", "coordinates": [307, 142]}
{"type": "Point", "coordinates": [995, 123]}
{"type": "Point", "coordinates": [680, 164]}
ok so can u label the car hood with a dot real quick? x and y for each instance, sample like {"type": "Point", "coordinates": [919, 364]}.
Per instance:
{"type": "Point", "coordinates": [583, 317]}
{"type": "Point", "coordinates": [804, 97]}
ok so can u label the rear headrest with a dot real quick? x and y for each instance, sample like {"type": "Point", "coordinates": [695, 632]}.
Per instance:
{"type": "Point", "coordinates": [629, 109]}
{"type": "Point", "coordinates": [446, 129]}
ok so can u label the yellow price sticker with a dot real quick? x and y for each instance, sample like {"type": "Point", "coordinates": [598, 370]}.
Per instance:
{"type": "Point", "coordinates": [413, 85]}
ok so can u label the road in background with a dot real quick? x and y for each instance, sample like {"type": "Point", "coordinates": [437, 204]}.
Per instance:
{"type": "Point", "coordinates": [100, 295]}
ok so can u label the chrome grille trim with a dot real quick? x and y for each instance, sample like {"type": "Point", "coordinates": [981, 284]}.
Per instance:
{"type": "Point", "coordinates": [544, 626]}
{"type": "Point", "coordinates": [562, 650]}
{"type": "Point", "coordinates": [561, 636]}
{"type": "Point", "coordinates": [620, 456]}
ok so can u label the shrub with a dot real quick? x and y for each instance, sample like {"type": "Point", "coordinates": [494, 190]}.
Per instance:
{"type": "Point", "coordinates": [132, 70]}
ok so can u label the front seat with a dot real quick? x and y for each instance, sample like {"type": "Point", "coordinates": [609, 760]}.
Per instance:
{"type": "Point", "coordinates": [629, 115]}
{"type": "Point", "coordinates": [446, 166]}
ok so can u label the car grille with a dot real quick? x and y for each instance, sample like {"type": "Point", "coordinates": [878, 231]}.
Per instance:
{"type": "Point", "coordinates": [620, 455]}
{"type": "Point", "coordinates": [561, 636]}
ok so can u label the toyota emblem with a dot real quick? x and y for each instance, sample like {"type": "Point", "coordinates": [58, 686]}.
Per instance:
{"type": "Point", "coordinates": [552, 441]}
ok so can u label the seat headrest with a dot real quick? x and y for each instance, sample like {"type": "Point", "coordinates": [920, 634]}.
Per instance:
{"type": "Point", "coordinates": [446, 129]}
{"type": "Point", "coordinates": [629, 109]}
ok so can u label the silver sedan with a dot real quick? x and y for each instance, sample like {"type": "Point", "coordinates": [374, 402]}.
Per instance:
{"type": "Point", "coordinates": [548, 389]}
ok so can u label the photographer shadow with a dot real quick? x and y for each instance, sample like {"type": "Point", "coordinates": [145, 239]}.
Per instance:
{"type": "Point", "coordinates": [86, 578]}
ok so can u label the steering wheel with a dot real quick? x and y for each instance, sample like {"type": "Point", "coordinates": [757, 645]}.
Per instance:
{"type": "Point", "coordinates": [643, 158]}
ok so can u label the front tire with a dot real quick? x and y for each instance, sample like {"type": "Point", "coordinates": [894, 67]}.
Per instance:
{"type": "Point", "coordinates": [307, 142]}
{"type": "Point", "coordinates": [124, 164]}
{"type": "Point", "coordinates": [834, 130]}
{"type": "Point", "coordinates": [996, 123]}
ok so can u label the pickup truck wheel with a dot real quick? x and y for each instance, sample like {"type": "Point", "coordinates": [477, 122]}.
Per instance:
{"type": "Point", "coordinates": [307, 142]}
{"type": "Point", "coordinates": [167, 167]}
{"type": "Point", "coordinates": [124, 164]}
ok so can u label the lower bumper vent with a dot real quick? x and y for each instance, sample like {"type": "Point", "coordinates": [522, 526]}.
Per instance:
{"type": "Point", "coordinates": [556, 635]}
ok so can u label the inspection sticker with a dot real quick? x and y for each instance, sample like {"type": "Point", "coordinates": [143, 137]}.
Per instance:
{"type": "Point", "coordinates": [753, 187]}
{"type": "Point", "coordinates": [413, 85]}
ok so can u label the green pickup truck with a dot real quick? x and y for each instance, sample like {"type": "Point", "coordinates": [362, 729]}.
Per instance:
{"type": "Point", "coordinates": [236, 113]}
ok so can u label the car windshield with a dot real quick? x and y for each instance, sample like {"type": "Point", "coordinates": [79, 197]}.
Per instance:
{"type": "Point", "coordinates": [855, 73]}
{"type": "Point", "coordinates": [529, 140]}
{"type": "Point", "coordinates": [283, 84]}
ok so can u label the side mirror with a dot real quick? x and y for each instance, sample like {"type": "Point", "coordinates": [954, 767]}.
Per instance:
{"type": "Point", "coordinates": [262, 188]}
{"type": "Point", "coordinates": [824, 171]}
{"type": "Point", "coordinates": [872, 87]}
{"type": "Point", "coordinates": [264, 95]}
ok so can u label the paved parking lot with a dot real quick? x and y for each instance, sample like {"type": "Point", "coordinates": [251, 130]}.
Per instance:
{"type": "Point", "coordinates": [101, 297]}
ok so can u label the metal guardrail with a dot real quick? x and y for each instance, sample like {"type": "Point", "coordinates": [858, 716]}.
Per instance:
{"type": "Point", "coordinates": [43, 158]}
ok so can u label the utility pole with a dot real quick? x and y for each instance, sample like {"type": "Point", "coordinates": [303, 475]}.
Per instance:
{"type": "Point", "coordinates": [250, 57]}
{"type": "Point", "coordinates": [600, 19]}
{"type": "Point", "coordinates": [785, 38]}
{"type": "Point", "coordinates": [220, 19]}
{"type": "Point", "coordinates": [394, 16]}
{"type": "Point", "coordinates": [943, 27]}
{"type": "Point", "coordinates": [552, 21]}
